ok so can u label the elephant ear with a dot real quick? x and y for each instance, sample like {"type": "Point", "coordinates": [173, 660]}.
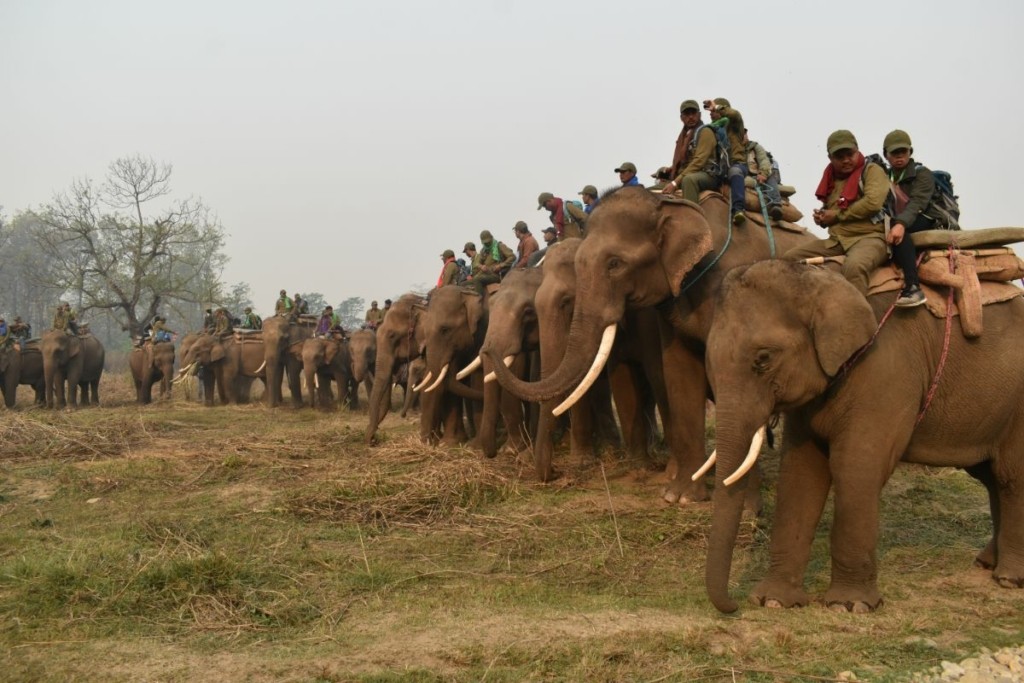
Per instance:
{"type": "Point", "coordinates": [841, 318]}
{"type": "Point", "coordinates": [474, 305]}
{"type": "Point", "coordinates": [217, 353]}
{"type": "Point", "coordinates": [684, 237]}
{"type": "Point", "coordinates": [330, 351]}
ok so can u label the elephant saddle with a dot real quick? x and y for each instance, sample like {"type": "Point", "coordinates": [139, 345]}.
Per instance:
{"type": "Point", "coordinates": [252, 336]}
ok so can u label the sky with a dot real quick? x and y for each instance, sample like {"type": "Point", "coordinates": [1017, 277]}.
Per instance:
{"type": "Point", "coordinates": [345, 145]}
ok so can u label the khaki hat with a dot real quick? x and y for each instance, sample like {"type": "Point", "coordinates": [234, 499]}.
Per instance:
{"type": "Point", "coordinates": [373, 303]}
{"type": "Point", "coordinates": [897, 139]}
{"type": "Point", "coordinates": [688, 104]}
{"type": "Point", "coordinates": [284, 293]}
{"type": "Point", "coordinates": [543, 199]}
{"type": "Point", "coordinates": [588, 189]}
{"type": "Point", "coordinates": [486, 236]}
{"type": "Point", "coordinates": [469, 245]}
{"type": "Point", "coordinates": [520, 226]}
{"type": "Point", "coordinates": [248, 309]}
{"type": "Point", "coordinates": [841, 139]}
{"type": "Point", "coordinates": [448, 253]}
{"type": "Point", "coordinates": [626, 166]}
{"type": "Point", "coordinates": [722, 102]}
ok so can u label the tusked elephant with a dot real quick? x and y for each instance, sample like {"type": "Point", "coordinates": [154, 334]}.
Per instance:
{"type": "Point", "coordinates": [74, 360]}
{"type": "Point", "coordinates": [399, 338]}
{"type": "Point", "coordinates": [282, 348]}
{"type": "Point", "coordinates": [644, 251]}
{"type": "Point", "coordinates": [786, 338]}
{"type": "Point", "coordinates": [227, 366]}
{"type": "Point", "coordinates": [151, 363]}
{"type": "Point", "coordinates": [325, 360]}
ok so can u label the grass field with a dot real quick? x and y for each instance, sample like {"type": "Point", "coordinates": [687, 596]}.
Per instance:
{"type": "Point", "coordinates": [179, 543]}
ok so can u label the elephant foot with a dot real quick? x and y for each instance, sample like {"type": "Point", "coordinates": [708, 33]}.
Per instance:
{"type": "Point", "coordinates": [681, 491]}
{"type": "Point", "coordinates": [779, 595]}
{"type": "Point", "coordinates": [1008, 581]}
{"type": "Point", "coordinates": [857, 600]}
{"type": "Point", "coordinates": [856, 607]}
{"type": "Point", "coordinates": [986, 559]}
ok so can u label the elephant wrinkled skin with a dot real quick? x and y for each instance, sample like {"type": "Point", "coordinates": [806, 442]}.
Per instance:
{"type": "Point", "coordinates": [76, 361]}
{"type": "Point", "coordinates": [781, 336]}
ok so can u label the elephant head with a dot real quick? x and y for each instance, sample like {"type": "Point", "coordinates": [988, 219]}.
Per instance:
{"type": "Point", "coordinates": [781, 334]}
{"type": "Point", "coordinates": [62, 363]}
{"type": "Point", "coordinates": [363, 348]}
{"type": "Point", "coordinates": [399, 338]}
{"type": "Point", "coordinates": [280, 335]}
{"type": "Point", "coordinates": [454, 328]}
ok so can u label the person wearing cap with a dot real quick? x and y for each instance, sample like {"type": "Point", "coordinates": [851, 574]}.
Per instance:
{"type": "Point", "coordinates": [374, 316]}
{"type": "Point", "coordinates": [566, 225]}
{"type": "Point", "coordinates": [550, 237]}
{"type": "Point", "coordinates": [527, 244]}
{"type": "Point", "coordinates": [913, 188]}
{"type": "Point", "coordinates": [853, 194]}
{"type": "Point", "coordinates": [387, 306]}
{"type": "Point", "coordinates": [689, 114]}
{"type": "Point", "coordinates": [589, 196]}
{"type": "Point", "coordinates": [283, 306]}
{"type": "Point", "coordinates": [21, 331]}
{"type": "Point", "coordinates": [723, 114]}
{"type": "Point", "coordinates": [760, 167]}
{"type": "Point", "coordinates": [222, 326]}
{"type": "Point", "coordinates": [209, 322]}
{"type": "Point", "coordinates": [470, 252]}
{"type": "Point", "coordinates": [495, 260]}
{"type": "Point", "coordinates": [627, 174]}
{"type": "Point", "coordinates": [449, 269]}
{"type": "Point", "coordinates": [299, 305]}
{"type": "Point", "coordinates": [328, 322]}
{"type": "Point", "coordinates": [250, 320]}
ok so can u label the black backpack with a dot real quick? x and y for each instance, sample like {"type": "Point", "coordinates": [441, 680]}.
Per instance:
{"type": "Point", "coordinates": [944, 204]}
{"type": "Point", "coordinates": [462, 274]}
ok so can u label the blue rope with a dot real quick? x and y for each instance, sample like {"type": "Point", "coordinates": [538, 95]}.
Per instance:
{"type": "Point", "coordinates": [702, 273]}
{"type": "Point", "coordinates": [767, 221]}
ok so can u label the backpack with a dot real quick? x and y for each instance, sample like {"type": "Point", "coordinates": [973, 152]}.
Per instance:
{"type": "Point", "coordinates": [462, 274]}
{"type": "Point", "coordinates": [944, 204]}
{"type": "Point", "coordinates": [718, 165]}
{"type": "Point", "coordinates": [886, 211]}
{"type": "Point", "coordinates": [565, 209]}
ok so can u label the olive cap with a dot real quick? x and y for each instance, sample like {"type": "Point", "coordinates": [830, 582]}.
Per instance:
{"type": "Point", "coordinates": [448, 253]}
{"type": "Point", "coordinates": [284, 293]}
{"type": "Point", "coordinates": [722, 102]}
{"type": "Point", "coordinates": [486, 236]}
{"type": "Point", "coordinates": [469, 246]}
{"type": "Point", "coordinates": [841, 139]}
{"type": "Point", "coordinates": [588, 189]}
{"type": "Point", "coordinates": [551, 229]}
{"type": "Point", "coordinates": [521, 226]}
{"type": "Point", "coordinates": [897, 139]}
{"type": "Point", "coordinates": [626, 166]}
{"type": "Point", "coordinates": [687, 105]}
{"type": "Point", "coordinates": [543, 199]}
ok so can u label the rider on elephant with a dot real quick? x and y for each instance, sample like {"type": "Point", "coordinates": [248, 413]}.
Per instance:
{"type": "Point", "coordinates": [329, 322]}
{"type": "Point", "coordinates": [496, 259]}
{"type": "Point", "coordinates": [6, 338]}
{"type": "Point", "coordinates": [250, 320]}
{"type": "Point", "coordinates": [222, 327]}
{"type": "Point", "coordinates": [159, 331]}
{"type": "Point", "coordinates": [283, 306]}
{"type": "Point", "coordinates": [722, 114]}
{"type": "Point", "coordinates": [21, 331]}
{"type": "Point", "coordinates": [699, 170]}
{"type": "Point", "coordinates": [209, 321]}
{"type": "Point", "coordinates": [64, 319]}
{"type": "Point", "coordinates": [450, 269]}
{"type": "Point", "coordinates": [300, 306]}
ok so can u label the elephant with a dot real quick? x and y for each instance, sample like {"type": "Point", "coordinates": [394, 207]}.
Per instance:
{"type": "Point", "coordinates": [362, 345]}
{"type": "Point", "coordinates": [150, 363]}
{"type": "Point", "coordinates": [10, 373]}
{"type": "Point", "coordinates": [399, 338]}
{"type": "Point", "coordinates": [76, 360]}
{"type": "Point", "coordinates": [282, 347]}
{"type": "Point", "coordinates": [454, 328]}
{"type": "Point", "coordinates": [183, 347]}
{"type": "Point", "coordinates": [227, 365]}
{"type": "Point", "coordinates": [408, 376]}
{"type": "Point", "coordinates": [323, 360]}
{"type": "Point", "coordinates": [32, 370]}
{"type": "Point", "coordinates": [800, 341]}
{"type": "Point", "coordinates": [644, 250]}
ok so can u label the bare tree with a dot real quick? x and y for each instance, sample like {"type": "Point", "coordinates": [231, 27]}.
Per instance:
{"type": "Point", "coordinates": [125, 249]}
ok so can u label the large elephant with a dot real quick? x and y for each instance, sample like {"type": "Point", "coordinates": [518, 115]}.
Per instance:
{"type": "Point", "coordinates": [785, 339]}
{"type": "Point", "coordinates": [74, 360]}
{"type": "Point", "coordinates": [227, 366]}
{"type": "Point", "coordinates": [644, 251]}
{"type": "Point", "coordinates": [399, 338]}
{"type": "Point", "coordinates": [282, 348]}
{"type": "Point", "coordinates": [362, 346]}
{"type": "Point", "coordinates": [32, 370]}
{"type": "Point", "coordinates": [151, 363]}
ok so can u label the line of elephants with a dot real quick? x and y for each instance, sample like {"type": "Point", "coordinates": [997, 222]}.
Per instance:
{"type": "Point", "coordinates": [63, 370]}
{"type": "Point", "coordinates": [663, 305]}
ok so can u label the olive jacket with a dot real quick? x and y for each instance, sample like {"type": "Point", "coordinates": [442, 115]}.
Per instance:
{"type": "Point", "coordinates": [918, 185]}
{"type": "Point", "coordinates": [855, 221]}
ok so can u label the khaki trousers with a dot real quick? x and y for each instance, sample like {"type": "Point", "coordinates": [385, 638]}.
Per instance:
{"type": "Point", "coordinates": [867, 254]}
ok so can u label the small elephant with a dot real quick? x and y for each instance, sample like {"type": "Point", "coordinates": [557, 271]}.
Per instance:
{"type": "Point", "coordinates": [151, 363]}
{"type": "Point", "coordinates": [780, 342]}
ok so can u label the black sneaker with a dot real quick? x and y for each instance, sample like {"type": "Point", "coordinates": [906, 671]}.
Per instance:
{"type": "Point", "coordinates": [775, 211]}
{"type": "Point", "coordinates": [910, 297]}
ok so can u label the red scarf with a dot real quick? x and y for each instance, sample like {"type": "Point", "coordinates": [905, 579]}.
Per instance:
{"type": "Point", "coordinates": [850, 190]}
{"type": "Point", "coordinates": [441, 276]}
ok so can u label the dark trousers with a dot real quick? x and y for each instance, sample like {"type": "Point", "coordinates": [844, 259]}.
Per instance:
{"type": "Point", "coordinates": [904, 254]}
{"type": "Point", "coordinates": [738, 187]}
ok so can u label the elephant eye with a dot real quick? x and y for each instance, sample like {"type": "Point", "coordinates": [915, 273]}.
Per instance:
{"type": "Point", "coordinates": [614, 263]}
{"type": "Point", "coordinates": [762, 361]}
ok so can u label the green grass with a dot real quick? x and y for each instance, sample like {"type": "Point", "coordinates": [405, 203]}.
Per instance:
{"type": "Point", "coordinates": [175, 543]}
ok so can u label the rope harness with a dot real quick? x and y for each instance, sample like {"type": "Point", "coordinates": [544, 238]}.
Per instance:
{"type": "Point", "coordinates": [767, 221]}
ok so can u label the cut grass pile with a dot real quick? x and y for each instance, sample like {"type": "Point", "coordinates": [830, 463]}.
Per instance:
{"type": "Point", "coordinates": [176, 542]}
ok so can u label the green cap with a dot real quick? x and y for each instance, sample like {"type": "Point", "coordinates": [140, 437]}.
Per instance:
{"type": "Point", "coordinates": [469, 246]}
{"type": "Point", "coordinates": [841, 139]}
{"type": "Point", "coordinates": [588, 189]}
{"type": "Point", "coordinates": [543, 199]}
{"type": "Point", "coordinates": [722, 102]}
{"type": "Point", "coordinates": [687, 105]}
{"type": "Point", "coordinates": [626, 166]}
{"type": "Point", "coordinates": [486, 236]}
{"type": "Point", "coordinates": [898, 139]}
{"type": "Point", "coordinates": [520, 226]}
{"type": "Point", "coordinates": [448, 253]}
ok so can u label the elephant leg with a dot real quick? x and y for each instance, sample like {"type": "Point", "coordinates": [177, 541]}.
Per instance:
{"type": "Point", "coordinates": [803, 485]}
{"type": "Point", "coordinates": [581, 428]}
{"type": "Point", "coordinates": [686, 387]}
{"type": "Point", "coordinates": [454, 427]}
{"type": "Point", "coordinates": [544, 443]}
{"type": "Point", "coordinates": [1008, 516]}
{"type": "Point", "coordinates": [982, 472]}
{"type": "Point", "coordinates": [627, 404]}
{"type": "Point", "coordinates": [605, 428]}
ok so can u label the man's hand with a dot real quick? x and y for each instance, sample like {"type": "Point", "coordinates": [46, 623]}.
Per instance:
{"type": "Point", "coordinates": [709, 105]}
{"type": "Point", "coordinates": [896, 234]}
{"type": "Point", "coordinates": [826, 217]}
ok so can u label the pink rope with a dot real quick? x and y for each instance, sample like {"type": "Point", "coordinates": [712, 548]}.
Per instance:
{"type": "Point", "coordinates": [945, 344]}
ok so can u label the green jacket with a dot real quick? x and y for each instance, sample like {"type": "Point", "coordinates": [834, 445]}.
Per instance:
{"type": "Point", "coordinates": [702, 154]}
{"type": "Point", "coordinates": [855, 221]}
{"type": "Point", "coordinates": [283, 306]}
{"type": "Point", "coordinates": [918, 183]}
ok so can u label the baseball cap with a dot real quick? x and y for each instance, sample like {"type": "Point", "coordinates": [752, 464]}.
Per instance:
{"type": "Point", "coordinates": [841, 139]}
{"type": "Point", "coordinates": [687, 105]}
{"type": "Point", "coordinates": [550, 229]}
{"type": "Point", "coordinates": [486, 236]}
{"type": "Point", "coordinates": [626, 166]}
{"type": "Point", "coordinates": [722, 102]}
{"type": "Point", "coordinates": [520, 226]}
{"type": "Point", "coordinates": [543, 199]}
{"type": "Point", "coordinates": [448, 253]}
{"type": "Point", "coordinates": [897, 139]}
{"type": "Point", "coordinates": [469, 245]}
{"type": "Point", "coordinates": [588, 189]}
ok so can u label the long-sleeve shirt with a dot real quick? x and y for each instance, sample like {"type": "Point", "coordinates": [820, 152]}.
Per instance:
{"type": "Point", "coordinates": [527, 246]}
{"type": "Point", "coordinates": [855, 221]}
{"type": "Point", "coordinates": [703, 152]}
{"type": "Point", "coordinates": [734, 130]}
{"type": "Point", "coordinates": [918, 184]}
{"type": "Point", "coordinates": [490, 264]}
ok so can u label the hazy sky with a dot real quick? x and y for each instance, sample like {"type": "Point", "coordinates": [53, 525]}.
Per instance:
{"type": "Point", "coordinates": [345, 145]}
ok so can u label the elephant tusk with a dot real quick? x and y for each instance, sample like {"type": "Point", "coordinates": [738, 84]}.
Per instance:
{"type": "Point", "coordinates": [491, 376]}
{"type": "Point", "coordinates": [423, 382]}
{"type": "Point", "coordinates": [706, 466]}
{"type": "Point", "coordinates": [748, 462]}
{"type": "Point", "coordinates": [316, 380]}
{"type": "Point", "coordinates": [468, 370]}
{"type": "Point", "coordinates": [260, 368]}
{"type": "Point", "coordinates": [607, 339]}
{"type": "Point", "coordinates": [437, 382]}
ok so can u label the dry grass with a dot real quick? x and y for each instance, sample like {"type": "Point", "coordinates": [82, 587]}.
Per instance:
{"type": "Point", "coordinates": [174, 542]}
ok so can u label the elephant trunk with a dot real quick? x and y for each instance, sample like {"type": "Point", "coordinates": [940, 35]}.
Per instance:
{"type": "Point", "coordinates": [734, 434]}
{"type": "Point", "coordinates": [488, 434]}
{"type": "Point", "coordinates": [380, 399]}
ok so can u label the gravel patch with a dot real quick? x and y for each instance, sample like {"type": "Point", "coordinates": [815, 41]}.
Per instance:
{"type": "Point", "coordinates": [1002, 666]}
